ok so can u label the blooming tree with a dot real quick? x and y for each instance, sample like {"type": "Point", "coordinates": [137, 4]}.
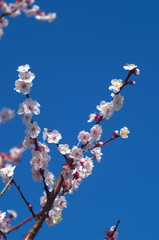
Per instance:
{"type": "Point", "coordinates": [79, 159]}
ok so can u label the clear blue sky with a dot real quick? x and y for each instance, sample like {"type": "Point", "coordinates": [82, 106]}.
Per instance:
{"type": "Point", "coordinates": [74, 60]}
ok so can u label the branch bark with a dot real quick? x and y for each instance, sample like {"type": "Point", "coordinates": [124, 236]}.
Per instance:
{"type": "Point", "coordinates": [41, 218]}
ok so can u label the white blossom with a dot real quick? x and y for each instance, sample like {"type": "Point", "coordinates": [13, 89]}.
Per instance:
{"type": "Point", "coordinates": [97, 153]}
{"type": "Point", "coordinates": [91, 117]}
{"type": "Point", "coordinates": [76, 153]}
{"type": "Point", "coordinates": [49, 178]}
{"type": "Point", "coordinates": [31, 12]}
{"type": "Point", "coordinates": [129, 66]}
{"type": "Point", "coordinates": [84, 137]}
{"type": "Point", "coordinates": [22, 86]}
{"type": "Point", "coordinates": [124, 132]}
{"type": "Point", "coordinates": [26, 76]}
{"type": "Point", "coordinates": [39, 160]}
{"type": "Point", "coordinates": [54, 137]}
{"type": "Point", "coordinates": [117, 101]}
{"type": "Point", "coordinates": [23, 68]}
{"type": "Point", "coordinates": [54, 217]}
{"type": "Point", "coordinates": [2, 216]}
{"type": "Point", "coordinates": [64, 149]}
{"type": "Point", "coordinates": [106, 109]}
{"type": "Point", "coordinates": [13, 213]}
{"type": "Point", "coordinates": [29, 107]}
{"type": "Point", "coordinates": [6, 114]}
{"type": "Point", "coordinates": [33, 130]}
{"type": "Point", "coordinates": [96, 132]}
{"type": "Point", "coordinates": [36, 175]}
{"type": "Point", "coordinates": [116, 85]}
{"type": "Point", "coordinates": [7, 172]}
{"type": "Point", "coordinates": [3, 22]}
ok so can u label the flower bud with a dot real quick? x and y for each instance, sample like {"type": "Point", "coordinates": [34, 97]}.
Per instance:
{"type": "Point", "coordinates": [137, 71]}
{"type": "Point", "coordinates": [132, 82]}
{"type": "Point", "coordinates": [116, 133]}
{"type": "Point", "coordinates": [30, 207]}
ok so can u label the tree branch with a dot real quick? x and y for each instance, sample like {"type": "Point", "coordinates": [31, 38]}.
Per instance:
{"type": "Point", "coordinates": [41, 218]}
{"type": "Point", "coordinates": [29, 206]}
{"type": "Point", "coordinates": [6, 186]}
{"type": "Point", "coordinates": [23, 222]}
{"type": "Point", "coordinates": [1, 233]}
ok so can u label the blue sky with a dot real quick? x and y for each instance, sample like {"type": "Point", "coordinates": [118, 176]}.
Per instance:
{"type": "Point", "coordinates": [74, 60]}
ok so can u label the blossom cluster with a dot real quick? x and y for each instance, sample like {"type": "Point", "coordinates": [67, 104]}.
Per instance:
{"type": "Point", "coordinates": [106, 109]}
{"type": "Point", "coordinates": [6, 114]}
{"type": "Point", "coordinates": [26, 6]}
{"type": "Point", "coordinates": [13, 156]}
{"type": "Point", "coordinates": [5, 225]}
{"type": "Point", "coordinates": [55, 214]}
{"type": "Point", "coordinates": [79, 164]}
{"type": "Point", "coordinates": [40, 156]}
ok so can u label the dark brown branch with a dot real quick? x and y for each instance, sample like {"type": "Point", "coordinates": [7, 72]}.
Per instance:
{"type": "Point", "coordinates": [41, 218]}
{"type": "Point", "coordinates": [29, 206]}
{"type": "Point", "coordinates": [23, 222]}
{"type": "Point", "coordinates": [116, 226]}
{"type": "Point", "coordinates": [6, 186]}
{"type": "Point", "coordinates": [1, 233]}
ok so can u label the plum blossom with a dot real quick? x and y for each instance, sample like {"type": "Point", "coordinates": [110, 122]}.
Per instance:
{"type": "Point", "coordinates": [39, 160]}
{"type": "Point", "coordinates": [124, 132]}
{"type": "Point", "coordinates": [46, 17]}
{"type": "Point", "coordinates": [6, 114]}
{"type": "Point", "coordinates": [29, 107]}
{"type": "Point", "coordinates": [76, 153]}
{"type": "Point", "coordinates": [106, 109]}
{"type": "Point", "coordinates": [26, 76]}
{"type": "Point", "coordinates": [2, 216]}
{"type": "Point", "coordinates": [84, 137]}
{"type": "Point", "coordinates": [54, 217]}
{"type": "Point", "coordinates": [91, 117]}
{"type": "Point", "coordinates": [54, 137]}
{"type": "Point", "coordinates": [33, 130]}
{"type": "Point", "coordinates": [64, 149]}
{"type": "Point", "coordinates": [7, 172]}
{"type": "Point", "coordinates": [116, 85]}
{"type": "Point", "coordinates": [117, 101]}
{"type": "Point", "coordinates": [3, 22]}
{"type": "Point", "coordinates": [22, 86]}
{"type": "Point", "coordinates": [31, 12]}
{"type": "Point", "coordinates": [13, 214]}
{"type": "Point", "coordinates": [23, 68]}
{"type": "Point", "coordinates": [36, 175]}
{"type": "Point", "coordinates": [97, 153]}
{"type": "Point", "coordinates": [16, 153]}
{"type": "Point", "coordinates": [130, 66]}
{"type": "Point", "coordinates": [49, 178]}
{"type": "Point", "coordinates": [96, 132]}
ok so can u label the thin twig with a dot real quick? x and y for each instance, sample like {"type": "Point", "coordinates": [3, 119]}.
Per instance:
{"type": "Point", "coordinates": [29, 206]}
{"type": "Point", "coordinates": [6, 186]}
{"type": "Point", "coordinates": [23, 222]}
{"type": "Point", "coordinates": [1, 233]}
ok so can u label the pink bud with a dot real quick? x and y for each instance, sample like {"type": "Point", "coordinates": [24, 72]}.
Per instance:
{"type": "Point", "coordinates": [116, 133]}
{"type": "Point", "coordinates": [132, 82]}
{"type": "Point", "coordinates": [137, 71]}
{"type": "Point", "coordinates": [99, 144]}
{"type": "Point", "coordinates": [30, 207]}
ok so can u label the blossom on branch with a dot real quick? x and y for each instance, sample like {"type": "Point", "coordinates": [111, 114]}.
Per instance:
{"type": "Point", "coordinates": [26, 6]}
